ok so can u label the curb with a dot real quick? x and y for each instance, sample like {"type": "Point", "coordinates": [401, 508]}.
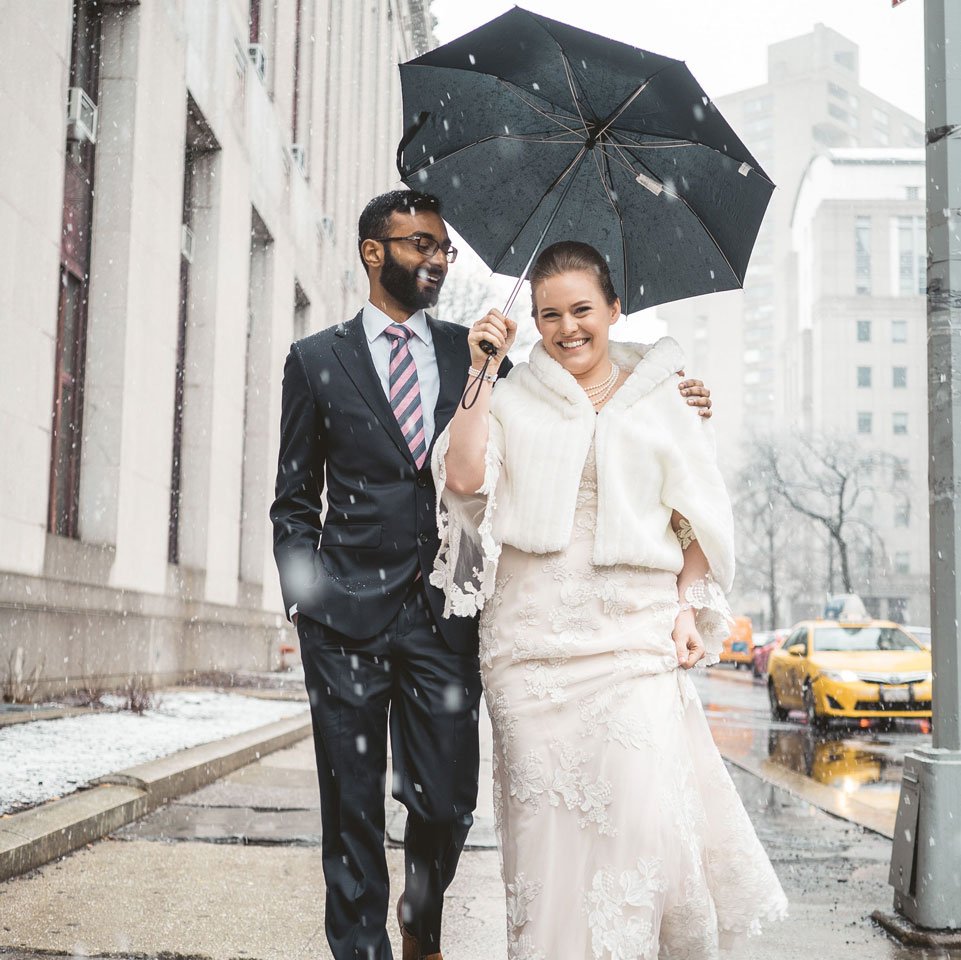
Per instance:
{"type": "Point", "coordinates": [35, 837]}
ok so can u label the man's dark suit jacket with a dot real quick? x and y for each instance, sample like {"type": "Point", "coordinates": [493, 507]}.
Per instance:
{"type": "Point", "coordinates": [352, 571]}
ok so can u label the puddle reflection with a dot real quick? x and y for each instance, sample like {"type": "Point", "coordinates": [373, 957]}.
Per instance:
{"type": "Point", "coordinates": [863, 767]}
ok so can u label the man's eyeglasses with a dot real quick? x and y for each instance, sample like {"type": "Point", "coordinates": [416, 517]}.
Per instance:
{"type": "Point", "coordinates": [426, 246]}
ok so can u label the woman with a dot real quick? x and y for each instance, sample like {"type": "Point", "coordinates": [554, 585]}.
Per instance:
{"type": "Point", "coordinates": [597, 546]}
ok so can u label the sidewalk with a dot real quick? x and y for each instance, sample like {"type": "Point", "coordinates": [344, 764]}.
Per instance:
{"type": "Point", "coordinates": [233, 871]}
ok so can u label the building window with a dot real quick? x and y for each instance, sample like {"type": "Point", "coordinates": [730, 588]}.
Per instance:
{"type": "Point", "coordinates": [899, 331]}
{"type": "Point", "coordinates": [902, 514]}
{"type": "Point", "coordinates": [864, 331]}
{"type": "Point", "coordinates": [757, 105]}
{"type": "Point", "coordinates": [836, 90]}
{"type": "Point", "coordinates": [898, 609]}
{"type": "Point", "coordinates": [912, 137]}
{"type": "Point", "coordinates": [864, 376]}
{"type": "Point", "coordinates": [899, 377]}
{"type": "Point", "coordinates": [301, 312]}
{"type": "Point", "coordinates": [180, 371]}
{"type": "Point", "coordinates": [900, 423]}
{"type": "Point", "coordinates": [902, 562]}
{"type": "Point", "coordinates": [912, 276]}
{"type": "Point", "coordinates": [75, 250]}
{"type": "Point", "coordinates": [912, 193]}
{"type": "Point", "coordinates": [298, 27]}
{"type": "Point", "coordinates": [862, 255]}
{"type": "Point", "coordinates": [848, 118]}
{"type": "Point", "coordinates": [200, 143]}
{"type": "Point", "coordinates": [846, 59]}
{"type": "Point", "coordinates": [865, 422]}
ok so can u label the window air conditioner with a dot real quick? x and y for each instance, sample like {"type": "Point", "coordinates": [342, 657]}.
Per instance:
{"type": "Point", "coordinates": [187, 243]}
{"type": "Point", "coordinates": [258, 58]}
{"type": "Point", "coordinates": [81, 116]}
{"type": "Point", "coordinates": [298, 153]}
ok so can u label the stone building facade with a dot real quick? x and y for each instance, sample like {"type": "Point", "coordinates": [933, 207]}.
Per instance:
{"type": "Point", "coordinates": [158, 253]}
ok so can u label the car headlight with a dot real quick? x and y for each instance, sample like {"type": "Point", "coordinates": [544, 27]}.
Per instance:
{"type": "Point", "coordinates": [845, 676]}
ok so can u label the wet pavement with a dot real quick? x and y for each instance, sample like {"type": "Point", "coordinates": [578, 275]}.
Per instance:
{"type": "Point", "coordinates": [233, 871]}
{"type": "Point", "coordinates": [862, 767]}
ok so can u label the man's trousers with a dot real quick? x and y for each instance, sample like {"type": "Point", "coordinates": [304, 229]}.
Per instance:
{"type": "Point", "coordinates": [408, 681]}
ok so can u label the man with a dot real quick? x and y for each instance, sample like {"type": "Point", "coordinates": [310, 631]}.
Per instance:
{"type": "Point", "coordinates": [362, 403]}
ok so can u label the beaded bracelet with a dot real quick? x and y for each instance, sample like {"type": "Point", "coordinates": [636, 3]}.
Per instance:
{"type": "Point", "coordinates": [478, 375]}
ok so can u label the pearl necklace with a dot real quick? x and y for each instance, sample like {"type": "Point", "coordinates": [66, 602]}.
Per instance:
{"type": "Point", "coordinates": [599, 392]}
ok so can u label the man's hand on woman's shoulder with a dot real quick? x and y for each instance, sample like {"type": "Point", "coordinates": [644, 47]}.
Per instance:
{"type": "Point", "coordinates": [697, 395]}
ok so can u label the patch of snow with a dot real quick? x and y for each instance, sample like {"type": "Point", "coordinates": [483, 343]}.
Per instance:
{"type": "Point", "coordinates": [45, 759]}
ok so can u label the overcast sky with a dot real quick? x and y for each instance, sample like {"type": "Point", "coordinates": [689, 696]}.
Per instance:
{"type": "Point", "coordinates": [725, 46]}
{"type": "Point", "coordinates": [725, 43]}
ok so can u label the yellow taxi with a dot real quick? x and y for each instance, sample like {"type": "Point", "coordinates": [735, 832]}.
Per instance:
{"type": "Point", "coordinates": [855, 670]}
{"type": "Point", "coordinates": [738, 648]}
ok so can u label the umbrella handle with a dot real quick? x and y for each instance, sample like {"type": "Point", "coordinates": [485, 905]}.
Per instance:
{"type": "Point", "coordinates": [409, 135]}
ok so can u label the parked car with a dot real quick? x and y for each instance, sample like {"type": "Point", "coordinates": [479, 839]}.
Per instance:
{"type": "Point", "coordinates": [921, 634]}
{"type": "Point", "coordinates": [764, 645]}
{"type": "Point", "coordinates": [831, 668]}
{"type": "Point", "coordinates": [739, 646]}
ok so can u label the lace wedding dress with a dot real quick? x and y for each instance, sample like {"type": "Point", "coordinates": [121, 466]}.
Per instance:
{"type": "Point", "coordinates": [622, 835]}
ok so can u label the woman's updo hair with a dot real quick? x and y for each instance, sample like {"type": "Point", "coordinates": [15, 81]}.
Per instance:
{"type": "Point", "coordinates": [567, 256]}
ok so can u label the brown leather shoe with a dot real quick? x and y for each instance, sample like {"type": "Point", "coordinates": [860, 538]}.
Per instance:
{"type": "Point", "coordinates": [411, 945]}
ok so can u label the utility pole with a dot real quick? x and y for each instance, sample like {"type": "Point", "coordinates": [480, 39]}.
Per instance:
{"type": "Point", "coordinates": [926, 858]}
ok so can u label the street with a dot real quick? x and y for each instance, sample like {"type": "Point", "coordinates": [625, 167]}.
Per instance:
{"type": "Point", "coordinates": [853, 772]}
{"type": "Point", "coordinates": [233, 870]}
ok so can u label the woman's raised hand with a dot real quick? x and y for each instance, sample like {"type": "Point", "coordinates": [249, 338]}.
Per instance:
{"type": "Point", "coordinates": [496, 329]}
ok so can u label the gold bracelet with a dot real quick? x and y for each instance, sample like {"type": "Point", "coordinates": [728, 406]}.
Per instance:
{"type": "Point", "coordinates": [488, 377]}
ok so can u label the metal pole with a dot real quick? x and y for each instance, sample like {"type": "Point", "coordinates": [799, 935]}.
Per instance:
{"type": "Point", "coordinates": [925, 871]}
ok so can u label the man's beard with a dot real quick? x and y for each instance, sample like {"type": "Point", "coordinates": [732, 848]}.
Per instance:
{"type": "Point", "coordinates": [402, 285]}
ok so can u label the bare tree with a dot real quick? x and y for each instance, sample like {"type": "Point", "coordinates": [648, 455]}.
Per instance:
{"type": "Point", "coordinates": [836, 485]}
{"type": "Point", "coordinates": [467, 296]}
{"type": "Point", "coordinates": [760, 514]}
{"type": "Point", "coordinates": [769, 559]}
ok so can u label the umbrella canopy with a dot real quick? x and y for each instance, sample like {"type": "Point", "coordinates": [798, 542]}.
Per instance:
{"type": "Point", "coordinates": [532, 131]}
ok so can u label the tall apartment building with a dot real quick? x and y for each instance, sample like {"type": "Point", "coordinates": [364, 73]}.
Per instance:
{"type": "Point", "coordinates": [858, 353]}
{"type": "Point", "coordinates": [158, 253]}
{"type": "Point", "coordinates": [737, 341]}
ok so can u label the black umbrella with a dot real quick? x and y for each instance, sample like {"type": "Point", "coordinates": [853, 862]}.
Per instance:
{"type": "Point", "coordinates": [532, 131]}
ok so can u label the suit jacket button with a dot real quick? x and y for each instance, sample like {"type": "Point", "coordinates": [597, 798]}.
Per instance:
{"type": "Point", "coordinates": [421, 480]}
{"type": "Point", "coordinates": [422, 538]}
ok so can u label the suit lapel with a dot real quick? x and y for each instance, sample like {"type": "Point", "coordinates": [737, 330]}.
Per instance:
{"type": "Point", "coordinates": [452, 372]}
{"type": "Point", "coordinates": [353, 352]}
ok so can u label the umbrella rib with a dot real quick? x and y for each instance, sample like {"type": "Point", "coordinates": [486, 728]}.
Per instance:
{"type": "Point", "coordinates": [633, 144]}
{"type": "Point", "coordinates": [511, 88]}
{"type": "Point", "coordinates": [569, 73]}
{"type": "Point", "coordinates": [432, 159]}
{"type": "Point", "coordinates": [694, 214]}
{"type": "Point", "coordinates": [570, 169]}
{"type": "Point", "coordinates": [609, 190]}
{"type": "Point", "coordinates": [618, 111]}
{"type": "Point", "coordinates": [567, 65]}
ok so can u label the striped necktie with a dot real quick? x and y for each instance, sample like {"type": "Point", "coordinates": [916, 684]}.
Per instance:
{"type": "Point", "coordinates": [405, 392]}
